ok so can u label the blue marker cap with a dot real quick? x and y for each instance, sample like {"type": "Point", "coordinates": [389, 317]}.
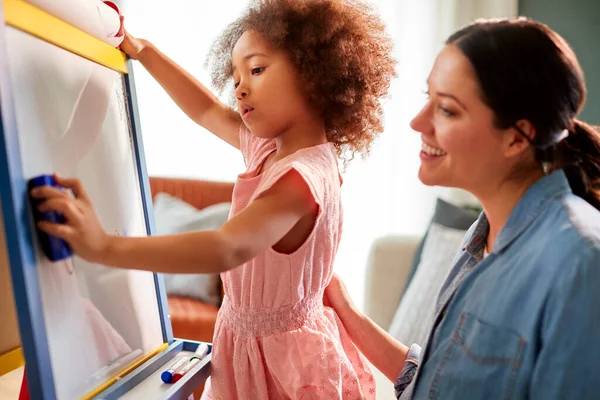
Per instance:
{"type": "Point", "coordinates": [55, 248]}
{"type": "Point", "coordinates": [167, 376]}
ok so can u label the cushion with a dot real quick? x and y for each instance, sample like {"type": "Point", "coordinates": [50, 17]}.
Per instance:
{"type": "Point", "coordinates": [449, 216]}
{"type": "Point", "coordinates": [440, 246]}
{"type": "Point", "coordinates": [173, 216]}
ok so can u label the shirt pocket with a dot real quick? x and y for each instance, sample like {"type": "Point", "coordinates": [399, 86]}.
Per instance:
{"type": "Point", "coordinates": [482, 361]}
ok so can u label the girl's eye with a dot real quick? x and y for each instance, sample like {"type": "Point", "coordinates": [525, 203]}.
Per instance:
{"type": "Point", "coordinates": [257, 70]}
{"type": "Point", "coordinates": [236, 84]}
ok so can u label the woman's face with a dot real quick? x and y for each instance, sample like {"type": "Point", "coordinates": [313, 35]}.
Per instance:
{"type": "Point", "coordinates": [461, 146]}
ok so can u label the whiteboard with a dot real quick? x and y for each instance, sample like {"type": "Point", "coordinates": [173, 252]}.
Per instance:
{"type": "Point", "coordinates": [72, 119]}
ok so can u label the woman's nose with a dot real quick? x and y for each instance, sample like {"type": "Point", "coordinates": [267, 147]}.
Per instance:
{"type": "Point", "coordinates": [421, 122]}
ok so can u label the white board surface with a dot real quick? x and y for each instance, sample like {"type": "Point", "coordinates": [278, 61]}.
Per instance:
{"type": "Point", "coordinates": [72, 119]}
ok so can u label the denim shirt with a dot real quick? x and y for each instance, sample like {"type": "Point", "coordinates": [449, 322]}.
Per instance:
{"type": "Point", "coordinates": [524, 322]}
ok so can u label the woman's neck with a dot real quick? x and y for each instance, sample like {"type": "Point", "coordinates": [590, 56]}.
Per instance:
{"type": "Point", "coordinates": [499, 203]}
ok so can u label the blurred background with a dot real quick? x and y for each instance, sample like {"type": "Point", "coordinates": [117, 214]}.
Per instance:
{"type": "Point", "coordinates": [381, 194]}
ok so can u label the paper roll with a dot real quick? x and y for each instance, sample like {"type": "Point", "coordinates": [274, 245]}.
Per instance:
{"type": "Point", "coordinates": [95, 17]}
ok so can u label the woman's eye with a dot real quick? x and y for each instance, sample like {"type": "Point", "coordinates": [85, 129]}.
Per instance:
{"type": "Point", "coordinates": [257, 70]}
{"type": "Point", "coordinates": [447, 112]}
{"type": "Point", "coordinates": [236, 84]}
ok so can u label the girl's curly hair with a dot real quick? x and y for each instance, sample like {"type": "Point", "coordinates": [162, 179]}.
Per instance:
{"type": "Point", "coordinates": [342, 52]}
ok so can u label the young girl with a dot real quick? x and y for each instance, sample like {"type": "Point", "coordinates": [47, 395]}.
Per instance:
{"type": "Point", "coordinates": [308, 76]}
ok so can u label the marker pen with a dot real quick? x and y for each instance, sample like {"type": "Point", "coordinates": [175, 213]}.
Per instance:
{"type": "Point", "coordinates": [167, 376]}
{"type": "Point", "coordinates": [181, 373]}
{"type": "Point", "coordinates": [200, 352]}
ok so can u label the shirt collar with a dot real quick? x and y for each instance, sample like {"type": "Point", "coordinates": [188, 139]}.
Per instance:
{"type": "Point", "coordinates": [535, 199]}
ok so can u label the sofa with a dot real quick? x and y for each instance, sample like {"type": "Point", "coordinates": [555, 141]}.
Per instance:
{"type": "Point", "coordinates": [388, 269]}
{"type": "Point", "coordinates": [405, 273]}
{"type": "Point", "coordinates": [192, 318]}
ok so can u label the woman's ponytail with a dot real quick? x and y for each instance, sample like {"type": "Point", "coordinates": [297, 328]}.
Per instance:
{"type": "Point", "coordinates": [579, 156]}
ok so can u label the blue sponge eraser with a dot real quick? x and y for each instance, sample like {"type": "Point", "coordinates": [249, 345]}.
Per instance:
{"type": "Point", "coordinates": [55, 248]}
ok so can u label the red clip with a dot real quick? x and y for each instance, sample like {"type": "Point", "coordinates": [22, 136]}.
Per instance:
{"type": "Point", "coordinates": [24, 393]}
{"type": "Point", "coordinates": [114, 7]}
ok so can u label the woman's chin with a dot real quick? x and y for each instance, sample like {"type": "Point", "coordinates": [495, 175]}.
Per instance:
{"type": "Point", "coordinates": [428, 178]}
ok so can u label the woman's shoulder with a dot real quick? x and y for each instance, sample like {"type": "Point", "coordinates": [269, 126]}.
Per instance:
{"type": "Point", "coordinates": [577, 220]}
{"type": "Point", "coordinates": [567, 235]}
{"type": "Point", "coordinates": [572, 255]}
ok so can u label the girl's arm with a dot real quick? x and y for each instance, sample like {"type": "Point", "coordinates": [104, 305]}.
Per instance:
{"type": "Point", "coordinates": [191, 96]}
{"type": "Point", "coordinates": [381, 349]}
{"type": "Point", "coordinates": [261, 225]}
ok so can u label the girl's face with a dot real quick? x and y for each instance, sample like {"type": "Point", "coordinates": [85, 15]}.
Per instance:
{"type": "Point", "coordinates": [270, 94]}
{"type": "Point", "coordinates": [461, 146]}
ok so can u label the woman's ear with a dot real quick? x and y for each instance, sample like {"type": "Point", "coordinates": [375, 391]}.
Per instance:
{"type": "Point", "coordinates": [518, 138]}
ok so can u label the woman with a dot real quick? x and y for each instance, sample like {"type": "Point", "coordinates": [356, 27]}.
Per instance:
{"type": "Point", "coordinates": [519, 314]}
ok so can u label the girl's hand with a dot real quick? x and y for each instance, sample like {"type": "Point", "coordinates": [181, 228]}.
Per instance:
{"type": "Point", "coordinates": [82, 229]}
{"type": "Point", "coordinates": [131, 46]}
{"type": "Point", "coordinates": [336, 296]}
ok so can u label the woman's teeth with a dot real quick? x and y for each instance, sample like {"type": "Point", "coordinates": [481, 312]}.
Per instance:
{"type": "Point", "coordinates": [432, 151]}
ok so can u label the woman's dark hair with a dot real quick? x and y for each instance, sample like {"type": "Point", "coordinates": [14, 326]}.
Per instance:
{"type": "Point", "coordinates": [526, 71]}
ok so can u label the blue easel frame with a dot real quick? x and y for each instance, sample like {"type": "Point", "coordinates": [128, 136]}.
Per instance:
{"type": "Point", "coordinates": [178, 391]}
{"type": "Point", "coordinates": [140, 156]}
{"type": "Point", "coordinates": [18, 225]}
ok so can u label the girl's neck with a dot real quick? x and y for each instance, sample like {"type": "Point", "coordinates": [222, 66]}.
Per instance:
{"type": "Point", "coordinates": [500, 202]}
{"type": "Point", "coordinates": [302, 134]}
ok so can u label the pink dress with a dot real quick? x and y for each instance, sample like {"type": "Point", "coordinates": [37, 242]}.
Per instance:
{"type": "Point", "coordinates": [274, 339]}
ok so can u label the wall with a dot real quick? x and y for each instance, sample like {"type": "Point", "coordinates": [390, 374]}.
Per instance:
{"type": "Point", "coordinates": [577, 22]}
